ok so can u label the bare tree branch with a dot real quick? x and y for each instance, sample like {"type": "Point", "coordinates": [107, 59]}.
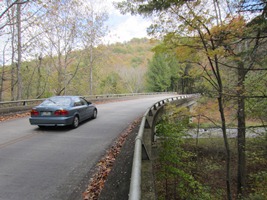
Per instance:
{"type": "Point", "coordinates": [11, 5]}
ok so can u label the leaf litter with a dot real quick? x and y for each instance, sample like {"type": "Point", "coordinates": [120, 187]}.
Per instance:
{"type": "Point", "coordinates": [104, 166]}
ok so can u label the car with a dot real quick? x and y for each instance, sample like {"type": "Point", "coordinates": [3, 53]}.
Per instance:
{"type": "Point", "coordinates": [62, 111]}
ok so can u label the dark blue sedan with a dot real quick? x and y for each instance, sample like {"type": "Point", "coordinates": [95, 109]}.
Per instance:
{"type": "Point", "coordinates": [63, 111]}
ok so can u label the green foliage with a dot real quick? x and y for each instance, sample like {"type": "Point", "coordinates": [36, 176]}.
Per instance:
{"type": "Point", "coordinates": [159, 74]}
{"type": "Point", "coordinates": [174, 179]}
{"type": "Point", "coordinates": [120, 50]}
{"type": "Point", "coordinates": [136, 61]}
{"type": "Point", "coordinates": [257, 107]}
{"type": "Point", "coordinates": [111, 84]}
{"type": "Point", "coordinates": [184, 77]}
{"type": "Point", "coordinates": [256, 153]}
{"type": "Point", "coordinates": [259, 190]}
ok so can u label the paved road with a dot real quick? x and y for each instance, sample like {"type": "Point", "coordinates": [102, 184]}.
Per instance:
{"type": "Point", "coordinates": [55, 163]}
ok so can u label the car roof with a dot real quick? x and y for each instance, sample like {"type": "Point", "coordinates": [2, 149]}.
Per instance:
{"type": "Point", "coordinates": [65, 96]}
{"type": "Point", "coordinates": [71, 97]}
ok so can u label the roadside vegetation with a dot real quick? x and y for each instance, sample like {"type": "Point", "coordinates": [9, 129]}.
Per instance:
{"type": "Point", "coordinates": [187, 167]}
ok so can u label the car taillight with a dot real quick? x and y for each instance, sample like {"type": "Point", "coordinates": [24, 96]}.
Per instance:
{"type": "Point", "coordinates": [61, 112]}
{"type": "Point", "coordinates": [34, 112]}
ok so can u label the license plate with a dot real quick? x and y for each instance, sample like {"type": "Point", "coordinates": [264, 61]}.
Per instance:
{"type": "Point", "coordinates": [46, 113]}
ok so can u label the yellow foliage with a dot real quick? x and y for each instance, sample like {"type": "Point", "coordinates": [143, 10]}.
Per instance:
{"type": "Point", "coordinates": [230, 30]}
{"type": "Point", "coordinates": [220, 51]}
{"type": "Point", "coordinates": [184, 53]}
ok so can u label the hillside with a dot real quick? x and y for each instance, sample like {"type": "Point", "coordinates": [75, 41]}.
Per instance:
{"type": "Point", "coordinates": [117, 68]}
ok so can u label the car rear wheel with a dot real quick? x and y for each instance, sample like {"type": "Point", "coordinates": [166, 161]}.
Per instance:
{"type": "Point", "coordinates": [75, 122]}
{"type": "Point", "coordinates": [94, 114]}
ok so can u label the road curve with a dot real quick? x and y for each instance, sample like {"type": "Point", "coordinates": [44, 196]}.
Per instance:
{"type": "Point", "coordinates": [55, 163]}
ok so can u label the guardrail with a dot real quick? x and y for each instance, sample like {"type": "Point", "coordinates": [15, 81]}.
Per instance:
{"type": "Point", "coordinates": [23, 105]}
{"type": "Point", "coordinates": [140, 148]}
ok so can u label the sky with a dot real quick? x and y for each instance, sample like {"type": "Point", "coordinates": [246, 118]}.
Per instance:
{"type": "Point", "coordinates": [124, 27]}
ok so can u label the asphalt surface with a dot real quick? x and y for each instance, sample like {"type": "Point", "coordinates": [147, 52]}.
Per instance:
{"type": "Point", "coordinates": [57, 163]}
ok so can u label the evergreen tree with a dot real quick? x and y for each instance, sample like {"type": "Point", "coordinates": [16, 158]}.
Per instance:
{"type": "Point", "coordinates": [159, 74]}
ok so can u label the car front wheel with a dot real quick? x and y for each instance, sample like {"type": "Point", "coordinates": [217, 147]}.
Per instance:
{"type": "Point", "coordinates": [75, 122]}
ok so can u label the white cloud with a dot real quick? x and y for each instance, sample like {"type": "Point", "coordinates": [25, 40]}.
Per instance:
{"type": "Point", "coordinates": [127, 27]}
{"type": "Point", "coordinates": [124, 27]}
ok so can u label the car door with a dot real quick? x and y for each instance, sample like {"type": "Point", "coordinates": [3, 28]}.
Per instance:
{"type": "Point", "coordinates": [80, 108]}
{"type": "Point", "coordinates": [89, 108]}
{"type": "Point", "coordinates": [86, 108]}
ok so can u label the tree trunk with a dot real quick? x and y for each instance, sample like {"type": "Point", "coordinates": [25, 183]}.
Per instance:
{"type": "Point", "coordinates": [91, 69]}
{"type": "Point", "coordinates": [60, 79]}
{"type": "Point", "coordinates": [2, 76]}
{"type": "Point", "coordinates": [227, 148]}
{"type": "Point", "coordinates": [223, 122]}
{"type": "Point", "coordinates": [2, 82]}
{"type": "Point", "coordinates": [13, 68]}
{"type": "Point", "coordinates": [241, 135]}
{"type": "Point", "coordinates": [38, 88]}
{"type": "Point", "coordinates": [19, 92]}
{"type": "Point", "coordinates": [13, 81]}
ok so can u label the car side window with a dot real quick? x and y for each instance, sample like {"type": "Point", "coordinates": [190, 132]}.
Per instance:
{"type": "Point", "coordinates": [77, 102]}
{"type": "Point", "coordinates": [83, 102]}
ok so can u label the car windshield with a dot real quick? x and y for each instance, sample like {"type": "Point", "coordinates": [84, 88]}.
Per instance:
{"type": "Point", "coordinates": [57, 101]}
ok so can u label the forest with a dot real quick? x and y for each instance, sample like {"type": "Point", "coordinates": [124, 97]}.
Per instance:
{"type": "Point", "coordinates": [219, 50]}
{"type": "Point", "coordinates": [118, 68]}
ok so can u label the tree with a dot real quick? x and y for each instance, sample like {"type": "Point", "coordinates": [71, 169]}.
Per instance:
{"type": "Point", "coordinates": [132, 78]}
{"type": "Point", "coordinates": [5, 7]}
{"type": "Point", "coordinates": [159, 74]}
{"type": "Point", "coordinates": [112, 84]}
{"type": "Point", "coordinates": [16, 19]}
{"type": "Point", "coordinates": [93, 29]}
{"type": "Point", "coordinates": [19, 45]}
{"type": "Point", "coordinates": [166, 69]}
{"type": "Point", "coordinates": [59, 30]}
{"type": "Point", "coordinates": [253, 52]}
{"type": "Point", "coordinates": [11, 17]}
{"type": "Point", "coordinates": [184, 75]}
